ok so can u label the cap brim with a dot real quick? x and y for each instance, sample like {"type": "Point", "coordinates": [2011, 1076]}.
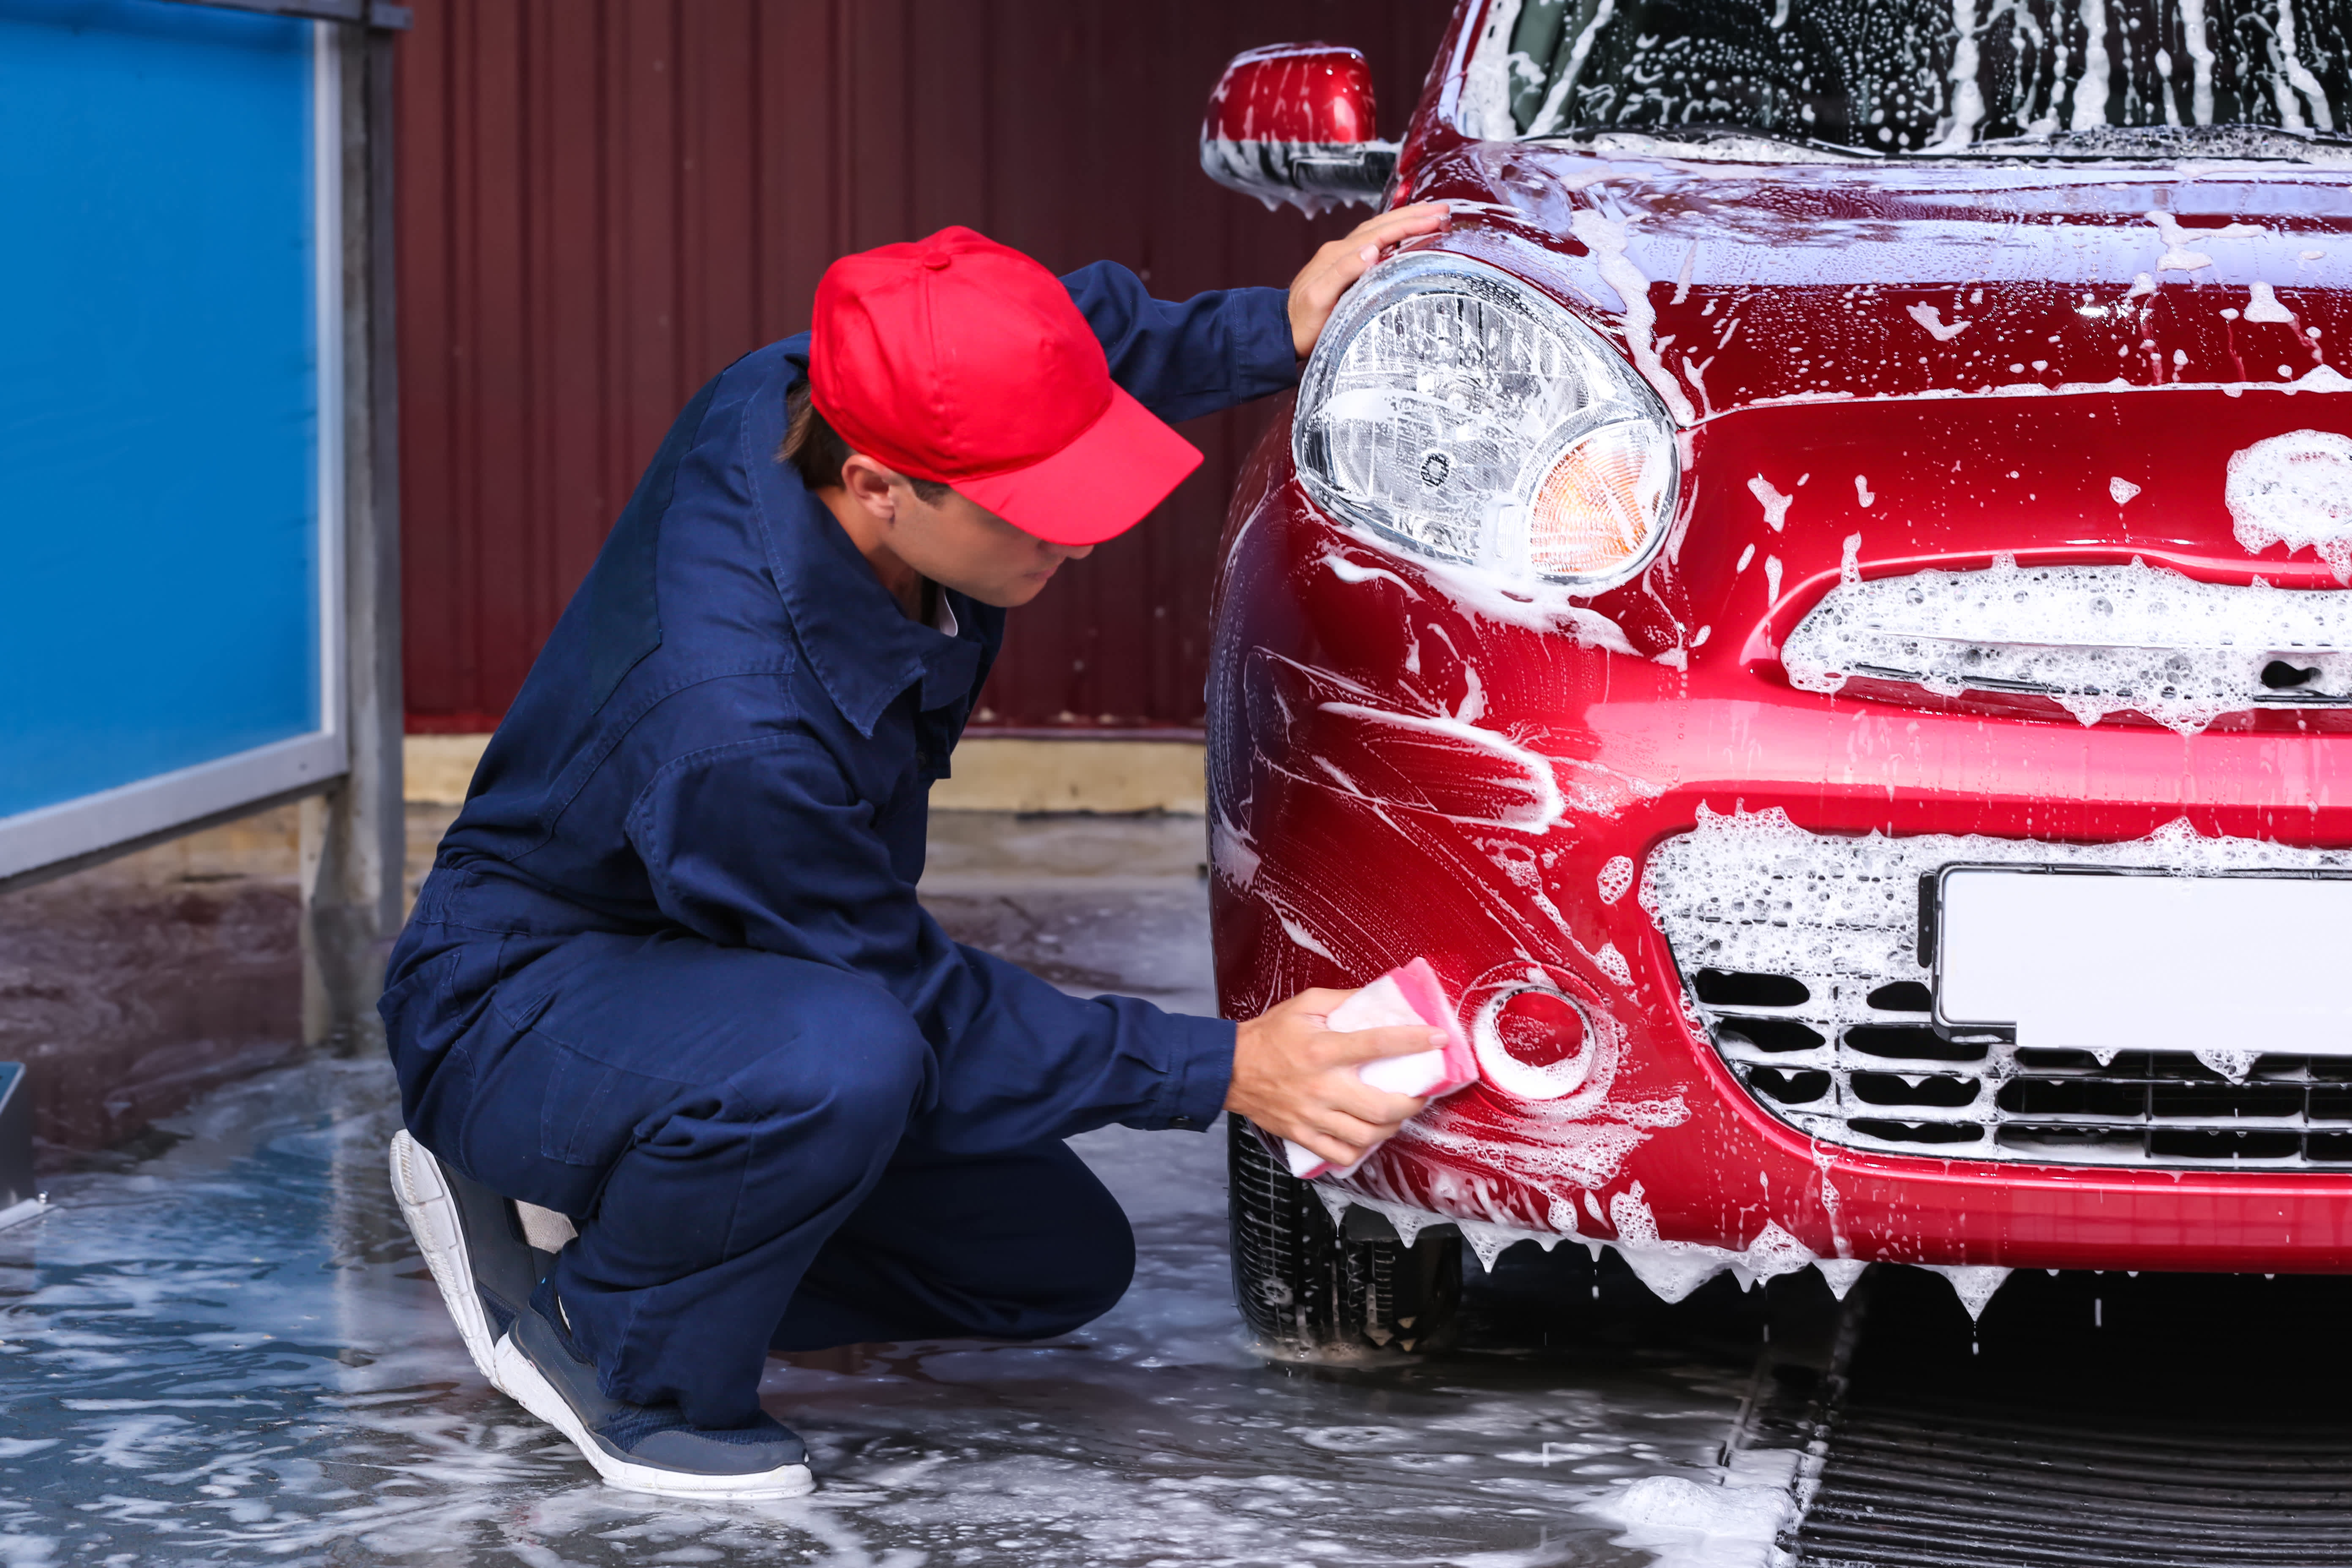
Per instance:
{"type": "Point", "coordinates": [1097, 487]}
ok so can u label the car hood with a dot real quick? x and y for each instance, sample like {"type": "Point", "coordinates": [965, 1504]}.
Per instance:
{"type": "Point", "coordinates": [1734, 284]}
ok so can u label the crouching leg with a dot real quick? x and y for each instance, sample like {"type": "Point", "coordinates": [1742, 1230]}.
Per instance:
{"type": "Point", "coordinates": [1021, 1245]}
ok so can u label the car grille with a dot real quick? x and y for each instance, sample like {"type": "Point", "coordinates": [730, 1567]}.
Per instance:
{"type": "Point", "coordinates": [1799, 957]}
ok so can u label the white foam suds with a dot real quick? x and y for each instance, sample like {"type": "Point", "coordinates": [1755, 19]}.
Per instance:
{"type": "Point", "coordinates": [1932, 319]}
{"type": "Point", "coordinates": [1347, 571]}
{"type": "Point", "coordinates": [1606, 238]}
{"type": "Point", "coordinates": [2095, 640]}
{"type": "Point", "coordinates": [1751, 892]}
{"type": "Point", "coordinates": [2122, 489]}
{"type": "Point", "coordinates": [2091, 91]}
{"type": "Point", "coordinates": [2318, 378]}
{"type": "Point", "coordinates": [2178, 256]}
{"type": "Point", "coordinates": [1534, 602]}
{"type": "Point", "coordinates": [2264, 305]}
{"type": "Point", "coordinates": [2296, 490]}
{"type": "Point", "coordinates": [1302, 938]}
{"type": "Point", "coordinates": [1974, 1284]}
{"type": "Point", "coordinates": [1771, 580]}
{"type": "Point", "coordinates": [1485, 102]}
{"type": "Point", "coordinates": [2201, 55]}
{"type": "Point", "coordinates": [1683, 1524]}
{"type": "Point", "coordinates": [1540, 803]}
{"type": "Point", "coordinates": [1965, 106]}
{"type": "Point", "coordinates": [1616, 877]}
{"type": "Point", "coordinates": [1232, 854]}
{"type": "Point", "coordinates": [1525, 1081]}
{"type": "Point", "coordinates": [1266, 170]}
{"type": "Point", "coordinates": [1547, 118]}
{"type": "Point", "coordinates": [2298, 74]}
{"type": "Point", "coordinates": [1775, 505]}
{"type": "Point", "coordinates": [1861, 490]}
{"type": "Point", "coordinates": [1672, 1270]}
{"type": "Point", "coordinates": [1488, 1239]}
{"type": "Point", "coordinates": [1840, 1273]}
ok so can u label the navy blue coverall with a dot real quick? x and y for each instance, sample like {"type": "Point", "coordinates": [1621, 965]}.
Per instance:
{"type": "Point", "coordinates": [668, 975]}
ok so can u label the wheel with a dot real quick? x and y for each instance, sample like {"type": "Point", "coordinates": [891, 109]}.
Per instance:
{"type": "Point", "coordinates": [1303, 1286]}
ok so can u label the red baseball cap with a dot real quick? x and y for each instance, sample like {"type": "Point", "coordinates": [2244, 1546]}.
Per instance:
{"type": "Point", "coordinates": [959, 359]}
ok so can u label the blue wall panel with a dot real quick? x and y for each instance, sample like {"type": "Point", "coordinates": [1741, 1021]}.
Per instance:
{"type": "Point", "coordinates": [159, 391]}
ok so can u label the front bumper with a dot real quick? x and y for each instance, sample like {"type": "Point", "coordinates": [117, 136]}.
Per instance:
{"type": "Point", "coordinates": [1396, 770]}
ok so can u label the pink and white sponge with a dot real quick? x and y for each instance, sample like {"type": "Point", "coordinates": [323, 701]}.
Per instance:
{"type": "Point", "coordinates": [1407, 995]}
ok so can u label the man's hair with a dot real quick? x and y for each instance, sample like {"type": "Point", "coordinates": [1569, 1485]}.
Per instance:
{"type": "Point", "coordinates": [818, 451]}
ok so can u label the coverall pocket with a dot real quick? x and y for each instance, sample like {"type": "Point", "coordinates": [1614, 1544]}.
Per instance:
{"type": "Point", "coordinates": [427, 982]}
{"type": "Point", "coordinates": [586, 1117]}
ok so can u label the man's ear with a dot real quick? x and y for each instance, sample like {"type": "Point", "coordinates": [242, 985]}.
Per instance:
{"type": "Point", "coordinates": [870, 485]}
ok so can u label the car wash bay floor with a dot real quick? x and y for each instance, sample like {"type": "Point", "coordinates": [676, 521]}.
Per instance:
{"type": "Point", "coordinates": [222, 1347]}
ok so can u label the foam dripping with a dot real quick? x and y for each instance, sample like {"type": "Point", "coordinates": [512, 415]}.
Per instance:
{"type": "Point", "coordinates": [1606, 238]}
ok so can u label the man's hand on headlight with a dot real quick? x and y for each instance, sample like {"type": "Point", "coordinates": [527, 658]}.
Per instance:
{"type": "Point", "coordinates": [1333, 269]}
{"type": "Point", "coordinates": [1296, 1078]}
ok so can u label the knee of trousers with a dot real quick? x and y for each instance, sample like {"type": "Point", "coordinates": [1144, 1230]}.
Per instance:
{"type": "Point", "coordinates": [1091, 1271]}
{"type": "Point", "coordinates": [854, 1057]}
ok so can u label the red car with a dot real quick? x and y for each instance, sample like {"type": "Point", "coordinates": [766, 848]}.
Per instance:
{"type": "Point", "coordinates": [1818, 603]}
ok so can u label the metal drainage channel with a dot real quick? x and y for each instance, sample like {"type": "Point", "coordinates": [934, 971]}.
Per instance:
{"type": "Point", "coordinates": [2162, 1421]}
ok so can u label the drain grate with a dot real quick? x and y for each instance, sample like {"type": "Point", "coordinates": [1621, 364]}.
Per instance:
{"type": "Point", "coordinates": [1907, 1486]}
{"type": "Point", "coordinates": [2089, 1421]}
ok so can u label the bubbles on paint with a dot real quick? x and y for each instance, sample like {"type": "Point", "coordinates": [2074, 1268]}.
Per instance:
{"type": "Point", "coordinates": [1775, 505]}
{"type": "Point", "coordinates": [1922, 74]}
{"type": "Point", "coordinates": [2296, 490]}
{"type": "Point", "coordinates": [1616, 878]}
{"type": "Point", "coordinates": [1974, 1284]}
{"type": "Point", "coordinates": [2264, 305]}
{"type": "Point", "coordinates": [1932, 319]}
{"type": "Point", "coordinates": [2122, 489]}
{"type": "Point", "coordinates": [2095, 640]}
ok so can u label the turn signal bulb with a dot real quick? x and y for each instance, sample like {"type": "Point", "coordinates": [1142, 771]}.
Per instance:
{"type": "Point", "coordinates": [1596, 506]}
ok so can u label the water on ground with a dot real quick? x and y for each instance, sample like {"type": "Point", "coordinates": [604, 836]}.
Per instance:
{"type": "Point", "coordinates": [227, 1351]}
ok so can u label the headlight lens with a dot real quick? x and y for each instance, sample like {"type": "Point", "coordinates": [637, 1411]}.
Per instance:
{"type": "Point", "coordinates": [1458, 412]}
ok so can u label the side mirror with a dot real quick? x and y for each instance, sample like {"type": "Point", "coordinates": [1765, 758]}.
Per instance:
{"type": "Point", "coordinates": [1294, 122]}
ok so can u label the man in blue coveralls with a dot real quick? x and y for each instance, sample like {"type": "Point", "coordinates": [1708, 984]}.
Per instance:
{"type": "Point", "coordinates": [667, 1009]}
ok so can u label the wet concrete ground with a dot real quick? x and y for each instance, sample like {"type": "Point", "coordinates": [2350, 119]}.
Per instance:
{"type": "Point", "coordinates": [222, 1347]}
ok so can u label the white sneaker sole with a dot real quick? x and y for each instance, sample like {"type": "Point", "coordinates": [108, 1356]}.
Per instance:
{"type": "Point", "coordinates": [531, 1390]}
{"type": "Point", "coordinates": [432, 1215]}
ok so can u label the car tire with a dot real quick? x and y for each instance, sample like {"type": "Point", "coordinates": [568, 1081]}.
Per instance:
{"type": "Point", "coordinates": [1305, 1288]}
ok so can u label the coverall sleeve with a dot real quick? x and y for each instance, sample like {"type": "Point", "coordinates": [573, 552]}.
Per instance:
{"type": "Point", "coordinates": [763, 844]}
{"type": "Point", "coordinates": [1182, 360]}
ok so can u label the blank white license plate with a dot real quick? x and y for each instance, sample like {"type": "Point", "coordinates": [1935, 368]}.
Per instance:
{"type": "Point", "coordinates": [2142, 962]}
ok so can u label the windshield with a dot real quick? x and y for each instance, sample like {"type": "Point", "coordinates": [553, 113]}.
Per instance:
{"type": "Point", "coordinates": [1906, 76]}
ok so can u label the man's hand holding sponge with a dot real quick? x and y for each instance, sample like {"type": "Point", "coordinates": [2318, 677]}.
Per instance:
{"type": "Point", "coordinates": [1373, 1059]}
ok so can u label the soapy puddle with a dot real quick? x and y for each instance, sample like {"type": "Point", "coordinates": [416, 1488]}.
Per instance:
{"type": "Point", "coordinates": [230, 1352]}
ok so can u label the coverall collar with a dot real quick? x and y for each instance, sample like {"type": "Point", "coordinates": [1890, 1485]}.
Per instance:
{"type": "Point", "coordinates": [863, 648]}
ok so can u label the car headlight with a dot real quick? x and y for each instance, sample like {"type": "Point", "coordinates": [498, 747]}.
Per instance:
{"type": "Point", "coordinates": [1456, 411]}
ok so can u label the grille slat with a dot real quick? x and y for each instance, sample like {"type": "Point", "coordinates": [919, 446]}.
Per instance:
{"type": "Point", "coordinates": [1802, 954]}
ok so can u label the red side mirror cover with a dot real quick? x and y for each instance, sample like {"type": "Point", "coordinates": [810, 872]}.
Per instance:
{"type": "Point", "coordinates": [1294, 123]}
{"type": "Point", "coordinates": [1316, 93]}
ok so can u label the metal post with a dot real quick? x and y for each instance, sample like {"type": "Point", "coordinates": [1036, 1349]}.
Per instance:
{"type": "Point", "coordinates": [20, 1199]}
{"type": "Point", "coordinates": [354, 836]}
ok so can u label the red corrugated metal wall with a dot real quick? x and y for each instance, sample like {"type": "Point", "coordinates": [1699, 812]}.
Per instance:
{"type": "Point", "coordinates": [602, 202]}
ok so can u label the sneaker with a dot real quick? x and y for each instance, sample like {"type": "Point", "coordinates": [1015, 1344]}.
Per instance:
{"type": "Point", "coordinates": [473, 1242]}
{"type": "Point", "coordinates": [638, 1447]}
